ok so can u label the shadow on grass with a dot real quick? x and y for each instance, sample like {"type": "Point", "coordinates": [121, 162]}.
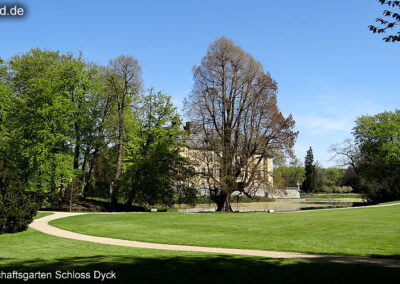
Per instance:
{"type": "Point", "coordinates": [392, 256]}
{"type": "Point", "coordinates": [209, 269]}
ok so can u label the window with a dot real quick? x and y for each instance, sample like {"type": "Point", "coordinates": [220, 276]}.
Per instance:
{"type": "Point", "coordinates": [194, 155]}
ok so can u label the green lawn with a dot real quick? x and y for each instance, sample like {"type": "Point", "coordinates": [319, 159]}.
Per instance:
{"type": "Point", "coordinates": [391, 202]}
{"type": "Point", "coordinates": [331, 195]}
{"type": "Point", "coordinates": [34, 251]}
{"type": "Point", "coordinates": [42, 214]}
{"type": "Point", "coordinates": [356, 231]}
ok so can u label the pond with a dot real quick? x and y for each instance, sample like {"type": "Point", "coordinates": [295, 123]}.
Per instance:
{"type": "Point", "coordinates": [280, 205]}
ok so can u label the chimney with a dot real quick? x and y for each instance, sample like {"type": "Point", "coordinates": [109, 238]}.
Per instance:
{"type": "Point", "coordinates": [188, 127]}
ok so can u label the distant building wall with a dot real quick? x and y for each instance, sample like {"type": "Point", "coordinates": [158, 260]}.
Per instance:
{"type": "Point", "coordinates": [207, 164]}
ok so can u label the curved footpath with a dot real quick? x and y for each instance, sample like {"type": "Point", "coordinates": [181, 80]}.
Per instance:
{"type": "Point", "coordinates": [43, 226]}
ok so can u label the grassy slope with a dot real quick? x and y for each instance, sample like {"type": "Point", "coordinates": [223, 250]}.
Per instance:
{"type": "Point", "coordinates": [359, 231]}
{"type": "Point", "coordinates": [34, 251]}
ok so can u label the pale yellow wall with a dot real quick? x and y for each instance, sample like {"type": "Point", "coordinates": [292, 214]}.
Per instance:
{"type": "Point", "coordinates": [266, 163]}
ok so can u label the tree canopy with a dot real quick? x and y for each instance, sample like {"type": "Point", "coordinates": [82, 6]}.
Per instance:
{"type": "Point", "coordinates": [373, 159]}
{"type": "Point", "coordinates": [156, 172]}
{"type": "Point", "coordinates": [64, 124]}
{"type": "Point", "coordinates": [379, 164]}
{"type": "Point", "coordinates": [234, 105]}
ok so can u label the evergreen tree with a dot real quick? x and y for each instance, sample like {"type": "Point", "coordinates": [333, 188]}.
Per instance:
{"type": "Point", "coordinates": [309, 181]}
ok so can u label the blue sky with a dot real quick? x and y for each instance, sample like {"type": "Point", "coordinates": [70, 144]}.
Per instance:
{"type": "Point", "coordinates": [330, 69]}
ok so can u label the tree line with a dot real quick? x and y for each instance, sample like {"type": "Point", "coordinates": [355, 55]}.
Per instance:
{"type": "Point", "coordinates": [70, 129]}
{"type": "Point", "coordinates": [311, 177]}
{"type": "Point", "coordinates": [372, 157]}
{"type": "Point", "coordinates": [369, 163]}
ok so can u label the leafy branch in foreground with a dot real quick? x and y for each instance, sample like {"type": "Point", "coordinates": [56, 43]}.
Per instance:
{"type": "Point", "coordinates": [390, 21]}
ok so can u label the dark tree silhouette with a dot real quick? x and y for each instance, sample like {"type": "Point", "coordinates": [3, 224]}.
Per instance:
{"type": "Point", "coordinates": [389, 22]}
{"type": "Point", "coordinates": [309, 181]}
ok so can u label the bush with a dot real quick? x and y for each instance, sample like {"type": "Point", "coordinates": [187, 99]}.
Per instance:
{"type": "Point", "coordinates": [347, 189]}
{"type": "Point", "coordinates": [326, 189]}
{"type": "Point", "coordinates": [185, 195]}
{"type": "Point", "coordinates": [17, 207]}
{"type": "Point", "coordinates": [336, 189]}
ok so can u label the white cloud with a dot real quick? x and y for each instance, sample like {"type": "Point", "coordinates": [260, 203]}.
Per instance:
{"type": "Point", "coordinates": [320, 124]}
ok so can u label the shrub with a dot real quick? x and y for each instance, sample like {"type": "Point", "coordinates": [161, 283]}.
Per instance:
{"type": "Point", "coordinates": [347, 189]}
{"type": "Point", "coordinates": [17, 207]}
{"type": "Point", "coordinates": [185, 195]}
{"type": "Point", "coordinates": [326, 189]}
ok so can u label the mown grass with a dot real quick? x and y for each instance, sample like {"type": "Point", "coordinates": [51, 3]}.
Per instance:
{"type": "Point", "coordinates": [356, 231]}
{"type": "Point", "coordinates": [331, 195]}
{"type": "Point", "coordinates": [42, 214]}
{"type": "Point", "coordinates": [34, 251]}
{"type": "Point", "coordinates": [391, 202]}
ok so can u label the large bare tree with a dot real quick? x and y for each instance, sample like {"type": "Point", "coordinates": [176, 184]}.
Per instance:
{"type": "Point", "coordinates": [233, 105]}
{"type": "Point", "coordinates": [346, 154]}
{"type": "Point", "coordinates": [124, 81]}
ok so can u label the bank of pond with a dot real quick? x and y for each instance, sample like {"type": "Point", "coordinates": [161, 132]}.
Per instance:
{"type": "Point", "coordinates": [281, 205]}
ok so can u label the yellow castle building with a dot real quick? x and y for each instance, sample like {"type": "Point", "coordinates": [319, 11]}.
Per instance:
{"type": "Point", "coordinates": [207, 167]}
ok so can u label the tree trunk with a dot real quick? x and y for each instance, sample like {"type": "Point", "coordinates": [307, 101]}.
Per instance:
{"type": "Point", "coordinates": [77, 152]}
{"type": "Point", "coordinates": [70, 197]}
{"type": "Point", "coordinates": [227, 203]}
{"type": "Point", "coordinates": [88, 175]}
{"type": "Point", "coordinates": [114, 194]}
{"type": "Point", "coordinates": [131, 197]}
{"type": "Point", "coordinates": [223, 201]}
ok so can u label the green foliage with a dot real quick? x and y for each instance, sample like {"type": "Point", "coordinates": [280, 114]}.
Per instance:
{"type": "Point", "coordinates": [320, 177]}
{"type": "Point", "coordinates": [289, 175]}
{"type": "Point", "coordinates": [326, 189]}
{"type": "Point", "coordinates": [350, 178]}
{"type": "Point", "coordinates": [53, 117]}
{"type": "Point", "coordinates": [346, 189]}
{"type": "Point", "coordinates": [63, 121]}
{"type": "Point", "coordinates": [334, 175]}
{"type": "Point", "coordinates": [155, 172]}
{"type": "Point", "coordinates": [40, 118]}
{"type": "Point", "coordinates": [379, 168]}
{"type": "Point", "coordinates": [328, 180]}
{"type": "Point", "coordinates": [335, 189]}
{"type": "Point", "coordinates": [325, 180]}
{"type": "Point", "coordinates": [309, 180]}
{"type": "Point", "coordinates": [4, 94]}
{"type": "Point", "coordinates": [17, 207]}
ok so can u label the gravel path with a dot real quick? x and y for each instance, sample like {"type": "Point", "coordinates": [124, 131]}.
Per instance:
{"type": "Point", "coordinates": [42, 225]}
